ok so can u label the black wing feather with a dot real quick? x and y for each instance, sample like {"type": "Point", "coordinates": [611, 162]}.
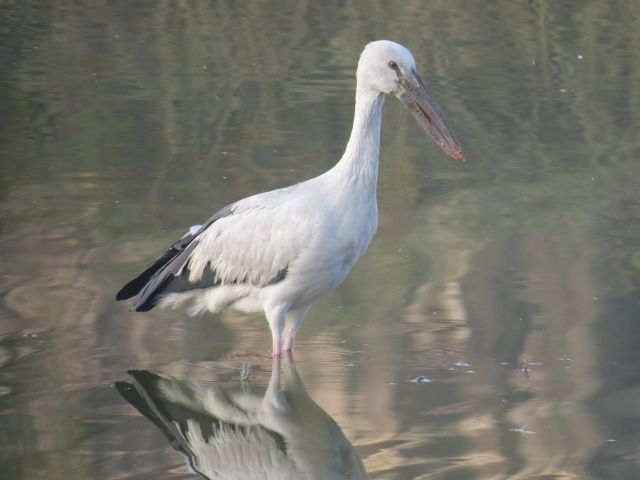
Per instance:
{"type": "Point", "coordinates": [149, 284]}
{"type": "Point", "coordinates": [132, 288]}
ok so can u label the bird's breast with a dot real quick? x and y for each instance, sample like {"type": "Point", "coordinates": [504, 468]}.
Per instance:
{"type": "Point", "coordinates": [341, 238]}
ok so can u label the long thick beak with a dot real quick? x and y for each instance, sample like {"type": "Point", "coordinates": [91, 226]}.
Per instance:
{"type": "Point", "coordinates": [425, 109]}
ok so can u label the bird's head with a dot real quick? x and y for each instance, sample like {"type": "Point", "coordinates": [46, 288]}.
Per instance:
{"type": "Point", "coordinates": [388, 67]}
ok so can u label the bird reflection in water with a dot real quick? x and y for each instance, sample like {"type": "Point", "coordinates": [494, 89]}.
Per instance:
{"type": "Point", "coordinates": [233, 432]}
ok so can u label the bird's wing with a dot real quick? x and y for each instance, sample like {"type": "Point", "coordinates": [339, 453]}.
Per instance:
{"type": "Point", "coordinates": [168, 263]}
{"type": "Point", "coordinates": [251, 241]}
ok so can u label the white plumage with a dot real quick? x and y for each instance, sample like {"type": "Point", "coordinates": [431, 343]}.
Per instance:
{"type": "Point", "coordinates": [280, 251]}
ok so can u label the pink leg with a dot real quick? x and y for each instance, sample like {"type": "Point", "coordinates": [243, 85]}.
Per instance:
{"type": "Point", "coordinates": [289, 338]}
{"type": "Point", "coordinates": [275, 317]}
{"type": "Point", "coordinates": [276, 346]}
{"type": "Point", "coordinates": [294, 319]}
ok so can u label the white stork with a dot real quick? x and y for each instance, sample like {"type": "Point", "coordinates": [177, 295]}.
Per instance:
{"type": "Point", "coordinates": [280, 251]}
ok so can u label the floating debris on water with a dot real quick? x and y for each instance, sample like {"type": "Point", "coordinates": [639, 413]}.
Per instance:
{"type": "Point", "coordinates": [569, 360]}
{"type": "Point", "coordinates": [523, 430]}
{"type": "Point", "coordinates": [528, 362]}
{"type": "Point", "coordinates": [420, 379]}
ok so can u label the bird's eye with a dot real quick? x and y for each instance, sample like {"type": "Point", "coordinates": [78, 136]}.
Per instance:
{"type": "Point", "coordinates": [393, 65]}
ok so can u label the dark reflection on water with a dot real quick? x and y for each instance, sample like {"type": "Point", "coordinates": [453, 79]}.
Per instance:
{"type": "Point", "coordinates": [122, 124]}
{"type": "Point", "coordinates": [236, 432]}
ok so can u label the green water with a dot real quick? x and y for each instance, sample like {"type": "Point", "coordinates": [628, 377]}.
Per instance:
{"type": "Point", "coordinates": [512, 281]}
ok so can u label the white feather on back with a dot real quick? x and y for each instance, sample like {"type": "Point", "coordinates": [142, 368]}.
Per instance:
{"type": "Point", "coordinates": [256, 242]}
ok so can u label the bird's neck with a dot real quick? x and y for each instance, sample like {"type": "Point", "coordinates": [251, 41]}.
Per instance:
{"type": "Point", "coordinates": [359, 163]}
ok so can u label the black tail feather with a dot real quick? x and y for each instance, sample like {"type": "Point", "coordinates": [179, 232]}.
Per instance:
{"type": "Point", "coordinates": [148, 296]}
{"type": "Point", "coordinates": [147, 286]}
{"type": "Point", "coordinates": [136, 285]}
